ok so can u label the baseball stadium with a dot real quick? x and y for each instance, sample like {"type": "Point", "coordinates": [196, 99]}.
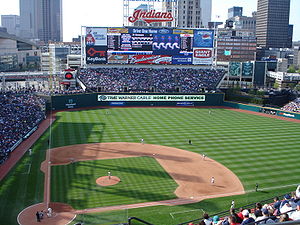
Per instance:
{"type": "Point", "coordinates": [144, 138]}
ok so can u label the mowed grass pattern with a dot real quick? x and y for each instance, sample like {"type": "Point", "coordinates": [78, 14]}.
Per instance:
{"type": "Point", "coordinates": [258, 149]}
{"type": "Point", "coordinates": [142, 180]}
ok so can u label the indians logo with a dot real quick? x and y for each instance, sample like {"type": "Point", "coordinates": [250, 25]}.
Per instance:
{"type": "Point", "coordinates": [150, 16]}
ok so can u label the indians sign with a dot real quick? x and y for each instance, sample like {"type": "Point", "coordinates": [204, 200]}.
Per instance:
{"type": "Point", "coordinates": [150, 16]}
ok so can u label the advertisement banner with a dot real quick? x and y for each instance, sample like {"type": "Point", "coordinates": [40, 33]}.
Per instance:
{"type": "Point", "coordinates": [166, 44]}
{"type": "Point", "coordinates": [286, 114]}
{"type": "Point", "coordinates": [183, 31]}
{"type": "Point", "coordinates": [117, 103]}
{"type": "Point", "coordinates": [185, 104]}
{"type": "Point", "coordinates": [202, 56]}
{"type": "Point", "coordinates": [117, 59]}
{"type": "Point", "coordinates": [149, 98]}
{"type": "Point", "coordinates": [182, 59]}
{"type": "Point", "coordinates": [186, 43]}
{"type": "Point", "coordinates": [150, 59]}
{"type": "Point", "coordinates": [117, 30]}
{"type": "Point", "coordinates": [234, 69]}
{"type": "Point", "coordinates": [96, 36]}
{"type": "Point", "coordinates": [96, 55]}
{"type": "Point", "coordinates": [204, 38]}
{"type": "Point", "coordinates": [130, 52]}
{"type": "Point", "coordinates": [149, 31]}
{"type": "Point", "coordinates": [247, 69]}
{"type": "Point", "coordinates": [153, 0]}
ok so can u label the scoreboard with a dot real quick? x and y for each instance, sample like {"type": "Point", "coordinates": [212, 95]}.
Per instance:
{"type": "Point", "coordinates": [130, 42]}
{"type": "Point", "coordinates": [148, 45]}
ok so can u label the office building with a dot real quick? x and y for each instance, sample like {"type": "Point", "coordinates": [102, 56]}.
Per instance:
{"type": "Point", "coordinates": [272, 23]}
{"type": "Point", "coordinates": [206, 8]}
{"type": "Point", "coordinates": [12, 23]}
{"type": "Point", "coordinates": [244, 22]}
{"type": "Point", "coordinates": [41, 19]}
{"type": "Point", "coordinates": [194, 13]}
{"type": "Point", "coordinates": [17, 53]}
{"type": "Point", "coordinates": [235, 11]}
{"type": "Point", "coordinates": [290, 36]}
{"type": "Point", "coordinates": [236, 45]}
{"type": "Point", "coordinates": [296, 59]}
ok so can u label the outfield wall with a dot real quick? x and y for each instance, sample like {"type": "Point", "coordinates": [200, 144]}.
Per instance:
{"type": "Point", "coordinates": [63, 102]}
{"type": "Point", "coordinates": [267, 110]}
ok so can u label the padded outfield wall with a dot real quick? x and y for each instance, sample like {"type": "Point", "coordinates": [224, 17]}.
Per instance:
{"type": "Point", "coordinates": [62, 102]}
{"type": "Point", "coordinates": [267, 110]}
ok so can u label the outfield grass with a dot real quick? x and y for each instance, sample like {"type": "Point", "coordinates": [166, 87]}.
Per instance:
{"type": "Point", "coordinates": [142, 180]}
{"type": "Point", "coordinates": [258, 149]}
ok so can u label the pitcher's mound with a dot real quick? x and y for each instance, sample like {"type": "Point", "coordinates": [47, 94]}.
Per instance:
{"type": "Point", "coordinates": [106, 181]}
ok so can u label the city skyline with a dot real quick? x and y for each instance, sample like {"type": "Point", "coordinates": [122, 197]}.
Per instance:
{"type": "Point", "coordinates": [110, 13]}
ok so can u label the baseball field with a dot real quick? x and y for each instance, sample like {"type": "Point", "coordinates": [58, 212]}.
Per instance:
{"type": "Point", "coordinates": [256, 149]}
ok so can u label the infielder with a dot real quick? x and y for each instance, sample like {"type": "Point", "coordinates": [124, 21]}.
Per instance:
{"type": "Point", "coordinates": [212, 180]}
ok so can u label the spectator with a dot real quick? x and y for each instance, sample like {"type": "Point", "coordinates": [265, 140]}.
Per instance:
{"type": "Point", "coordinates": [265, 218]}
{"type": "Point", "coordinates": [298, 192]}
{"type": "Point", "coordinates": [296, 215]}
{"type": "Point", "coordinates": [247, 218]}
{"type": "Point", "coordinates": [237, 219]}
{"type": "Point", "coordinates": [288, 204]}
{"type": "Point", "coordinates": [240, 214]}
{"type": "Point", "coordinates": [216, 220]}
{"type": "Point", "coordinates": [276, 205]}
{"type": "Point", "coordinates": [232, 220]}
{"type": "Point", "coordinates": [206, 220]}
{"type": "Point", "coordinates": [284, 217]}
{"type": "Point", "coordinates": [258, 207]}
{"type": "Point", "coordinates": [286, 208]}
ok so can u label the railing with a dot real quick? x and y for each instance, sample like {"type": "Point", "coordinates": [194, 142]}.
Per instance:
{"type": "Point", "coordinates": [140, 220]}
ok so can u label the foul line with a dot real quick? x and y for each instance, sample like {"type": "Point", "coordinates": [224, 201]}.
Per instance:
{"type": "Point", "coordinates": [171, 214]}
{"type": "Point", "coordinates": [28, 168]}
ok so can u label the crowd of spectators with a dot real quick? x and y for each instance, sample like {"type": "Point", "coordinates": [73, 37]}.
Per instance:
{"type": "Point", "coordinates": [286, 209]}
{"type": "Point", "coordinates": [19, 114]}
{"type": "Point", "coordinates": [293, 106]}
{"type": "Point", "coordinates": [72, 91]}
{"type": "Point", "coordinates": [54, 91]}
{"type": "Point", "coordinates": [163, 80]}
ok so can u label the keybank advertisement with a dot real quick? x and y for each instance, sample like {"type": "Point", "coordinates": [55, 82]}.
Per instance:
{"type": "Point", "coordinates": [149, 98]}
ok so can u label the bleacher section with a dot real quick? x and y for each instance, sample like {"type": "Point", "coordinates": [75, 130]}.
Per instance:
{"type": "Point", "coordinates": [184, 80]}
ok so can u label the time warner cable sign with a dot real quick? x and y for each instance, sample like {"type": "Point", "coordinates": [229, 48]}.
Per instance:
{"type": "Point", "coordinates": [153, 98]}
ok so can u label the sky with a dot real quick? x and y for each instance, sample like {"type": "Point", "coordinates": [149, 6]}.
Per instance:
{"type": "Point", "coordinates": [109, 13]}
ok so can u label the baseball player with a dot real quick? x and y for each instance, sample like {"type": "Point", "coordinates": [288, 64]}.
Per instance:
{"type": "Point", "coordinates": [212, 180]}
